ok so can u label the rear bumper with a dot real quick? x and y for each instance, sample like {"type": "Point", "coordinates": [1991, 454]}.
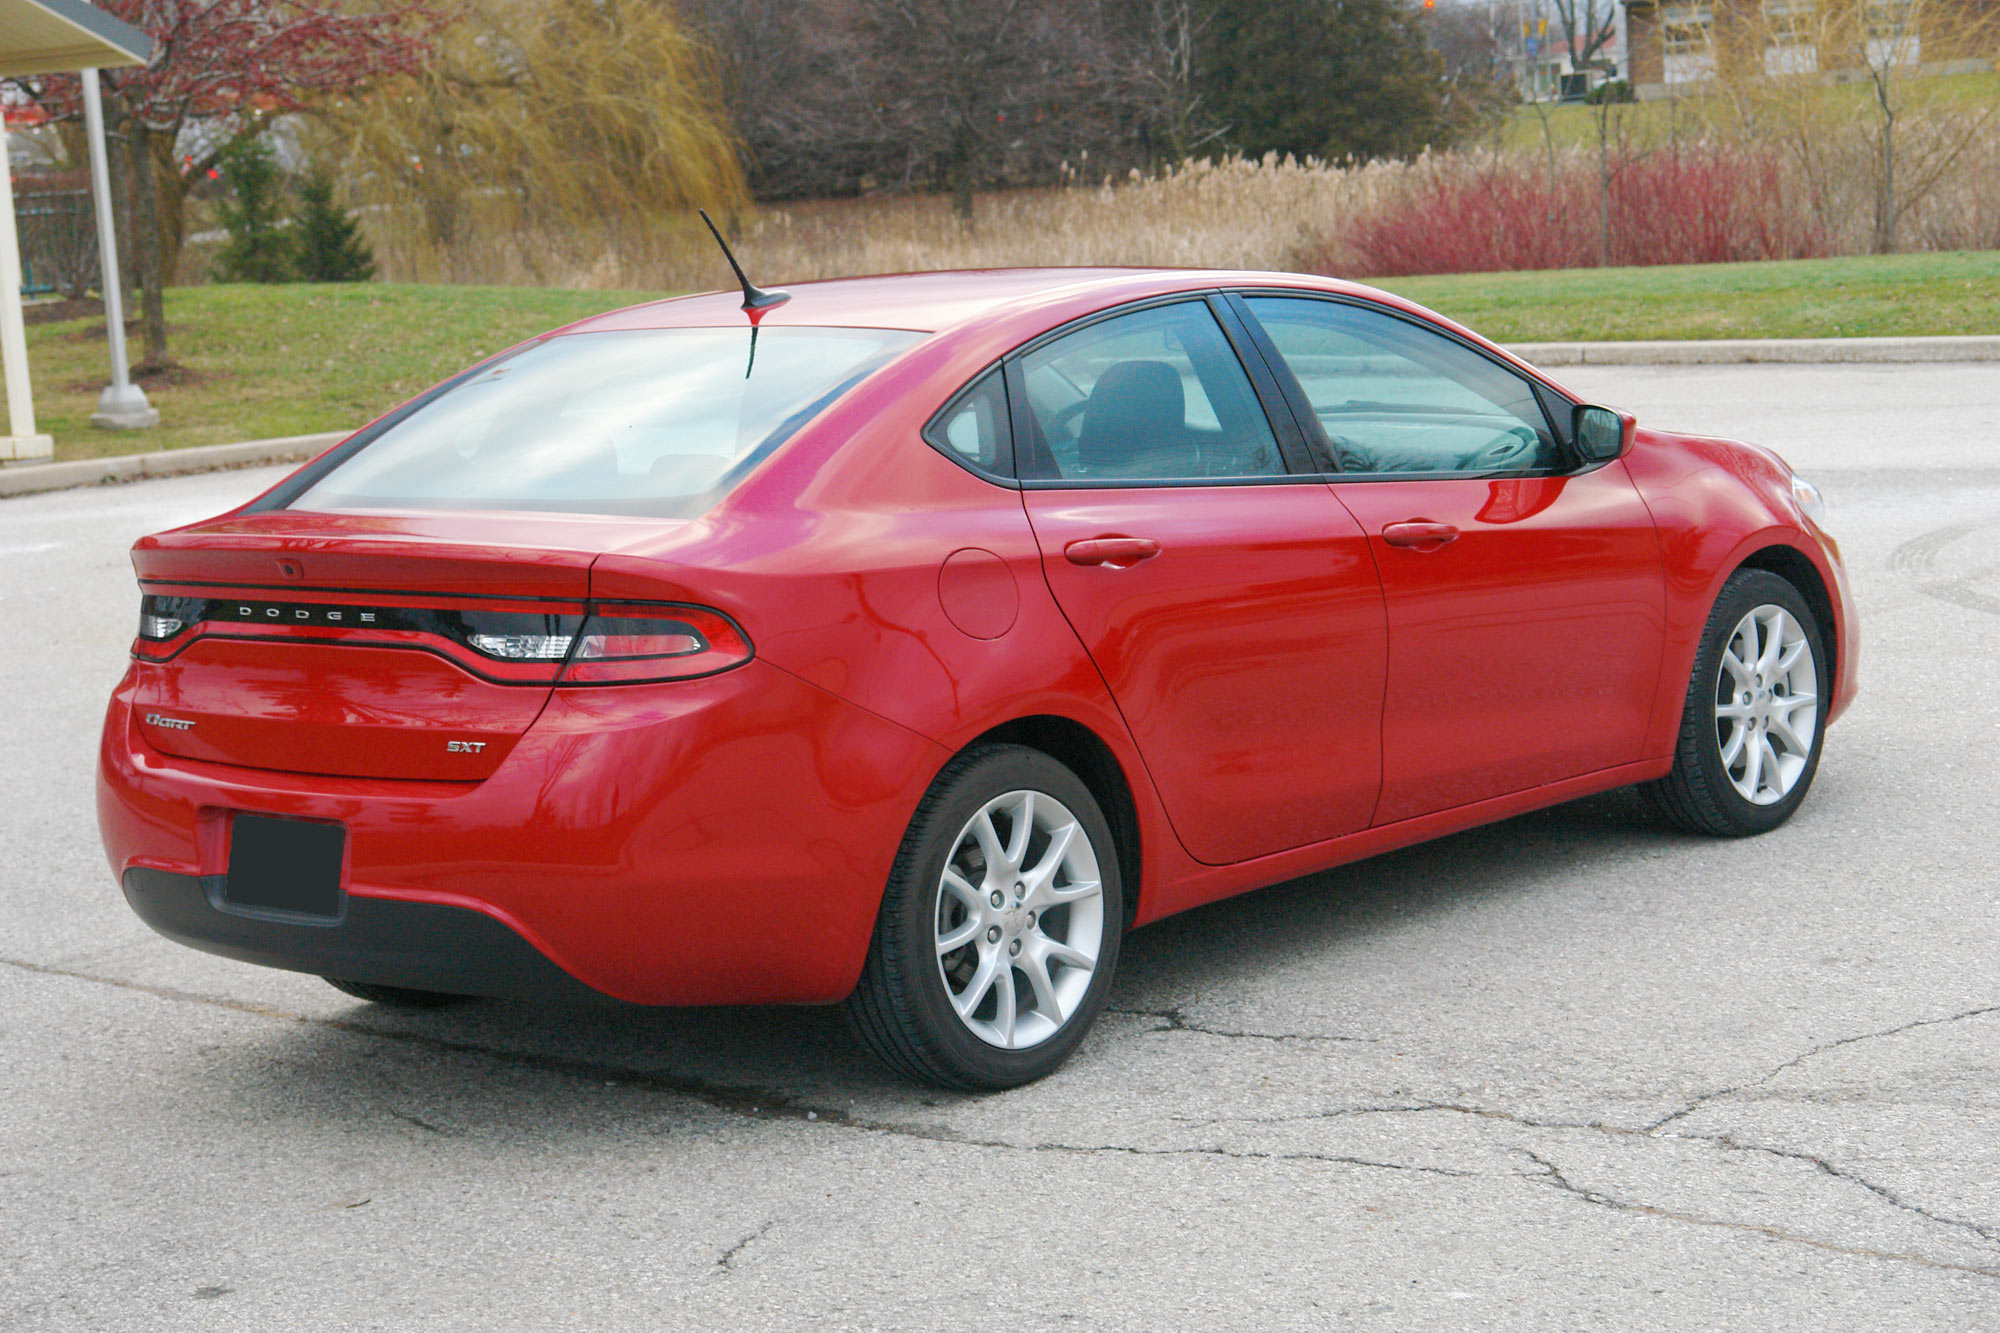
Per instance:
{"type": "Point", "coordinates": [724, 840]}
{"type": "Point", "coordinates": [424, 946]}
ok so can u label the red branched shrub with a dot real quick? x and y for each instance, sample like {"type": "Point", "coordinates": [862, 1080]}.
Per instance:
{"type": "Point", "coordinates": [1677, 206]}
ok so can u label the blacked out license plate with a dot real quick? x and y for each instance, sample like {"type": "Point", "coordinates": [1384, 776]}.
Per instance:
{"type": "Point", "coordinates": [285, 865]}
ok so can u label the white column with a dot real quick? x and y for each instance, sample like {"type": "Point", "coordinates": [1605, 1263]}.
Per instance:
{"type": "Point", "coordinates": [122, 405]}
{"type": "Point", "coordinates": [20, 441]}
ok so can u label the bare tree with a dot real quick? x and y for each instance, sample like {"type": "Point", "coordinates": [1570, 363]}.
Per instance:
{"type": "Point", "coordinates": [1897, 143]}
{"type": "Point", "coordinates": [972, 89]}
{"type": "Point", "coordinates": [1164, 45]}
{"type": "Point", "coordinates": [799, 81]}
{"type": "Point", "coordinates": [1588, 27]}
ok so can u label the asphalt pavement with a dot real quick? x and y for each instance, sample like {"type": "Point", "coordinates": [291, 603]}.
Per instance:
{"type": "Point", "coordinates": [1570, 1071]}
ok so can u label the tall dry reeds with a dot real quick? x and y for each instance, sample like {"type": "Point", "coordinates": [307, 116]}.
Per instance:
{"type": "Point", "coordinates": [1236, 213]}
{"type": "Point", "coordinates": [1696, 199]}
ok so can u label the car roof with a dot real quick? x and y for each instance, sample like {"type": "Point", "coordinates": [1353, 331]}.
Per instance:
{"type": "Point", "coordinates": [928, 302]}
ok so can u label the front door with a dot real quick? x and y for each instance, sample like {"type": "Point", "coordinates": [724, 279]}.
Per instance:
{"type": "Point", "coordinates": [1232, 605]}
{"type": "Point", "coordinates": [1525, 596]}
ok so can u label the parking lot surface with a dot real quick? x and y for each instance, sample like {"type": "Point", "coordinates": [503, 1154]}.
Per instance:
{"type": "Point", "coordinates": [1573, 1070]}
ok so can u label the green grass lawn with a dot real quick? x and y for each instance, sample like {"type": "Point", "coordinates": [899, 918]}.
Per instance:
{"type": "Point", "coordinates": [1872, 296]}
{"type": "Point", "coordinates": [259, 362]}
{"type": "Point", "coordinates": [1574, 124]}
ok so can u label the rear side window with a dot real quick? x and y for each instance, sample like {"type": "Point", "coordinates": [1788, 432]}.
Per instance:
{"type": "Point", "coordinates": [1157, 394]}
{"type": "Point", "coordinates": [1390, 396]}
{"type": "Point", "coordinates": [644, 421]}
{"type": "Point", "coordinates": [974, 428]}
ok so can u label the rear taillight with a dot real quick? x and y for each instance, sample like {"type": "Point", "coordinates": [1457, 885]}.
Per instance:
{"type": "Point", "coordinates": [611, 643]}
{"type": "Point", "coordinates": [626, 644]}
{"type": "Point", "coordinates": [163, 618]}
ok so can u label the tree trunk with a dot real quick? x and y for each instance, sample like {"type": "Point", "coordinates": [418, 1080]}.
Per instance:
{"type": "Point", "coordinates": [1885, 185]}
{"type": "Point", "coordinates": [1604, 184]}
{"type": "Point", "coordinates": [152, 279]}
{"type": "Point", "coordinates": [125, 192]}
{"type": "Point", "coordinates": [170, 191]}
{"type": "Point", "coordinates": [962, 160]}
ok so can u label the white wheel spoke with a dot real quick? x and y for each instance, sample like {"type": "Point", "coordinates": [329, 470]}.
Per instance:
{"type": "Point", "coordinates": [975, 990]}
{"type": "Point", "coordinates": [1055, 951]}
{"type": "Point", "coordinates": [1070, 893]}
{"type": "Point", "coordinates": [1790, 703]}
{"type": "Point", "coordinates": [1052, 858]}
{"type": "Point", "coordinates": [1734, 666]}
{"type": "Point", "coordinates": [1789, 738]}
{"type": "Point", "coordinates": [1753, 768]}
{"type": "Point", "coordinates": [988, 838]}
{"type": "Point", "coordinates": [959, 938]}
{"type": "Point", "coordinates": [1004, 1010]}
{"type": "Point", "coordinates": [1047, 1002]}
{"type": "Point", "coordinates": [1774, 772]}
{"type": "Point", "coordinates": [1733, 710]}
{"type": "Point", "coordinates": [1734, 749]}
{"type": "Point", "coordinates": [1771, 640]}
{"type": "Point", "coordinates": [1791, 656]}
{"type": "Point", "coordinates": [1024, 827]}
{"type": "Point", "coordinates": [959, 887]}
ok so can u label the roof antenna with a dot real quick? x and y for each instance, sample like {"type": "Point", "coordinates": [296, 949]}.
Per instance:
{"type": "Point", "coordinates": [754, 297]}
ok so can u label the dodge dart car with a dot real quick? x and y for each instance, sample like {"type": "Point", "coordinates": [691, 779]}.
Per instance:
{"type": "Point", "coordinates": [901, 642]}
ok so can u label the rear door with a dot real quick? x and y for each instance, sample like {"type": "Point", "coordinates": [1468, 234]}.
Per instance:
{"type": "Point", "coordinates": [1229, 600]}
{"type": "Point", "coordinates": [1525, 595]}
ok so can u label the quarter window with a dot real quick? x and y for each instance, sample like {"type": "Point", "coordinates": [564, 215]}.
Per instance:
{"type": "Point", "coordinates": [1391, 396]}
{"type": "Point", "coordinates": [974, 429]}
{"type": "Point", "coordinates": [1157, 394]}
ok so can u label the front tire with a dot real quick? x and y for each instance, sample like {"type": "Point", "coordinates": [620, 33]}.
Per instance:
{"type": "Point", "coordinates": [999, 930]}
{"type": "Point", "coordinates": [1751, 728]}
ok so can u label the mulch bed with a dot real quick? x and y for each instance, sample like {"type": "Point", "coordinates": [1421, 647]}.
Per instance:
{"type": "Point", "coordinates": [55, 312]}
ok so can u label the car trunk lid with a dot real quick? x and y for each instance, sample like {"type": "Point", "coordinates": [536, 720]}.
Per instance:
{"type": "Point", "coordinates": [382, 646]}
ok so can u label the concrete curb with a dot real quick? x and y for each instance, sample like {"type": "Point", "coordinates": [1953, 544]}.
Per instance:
{"type": "Point", "coordinates": [1760, 351]}
{"type": "Point", "coordinates": [33, 477]}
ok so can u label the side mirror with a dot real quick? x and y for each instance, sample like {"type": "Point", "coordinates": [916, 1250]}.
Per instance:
{"type": "Point", "coordinates": [1599, 433]}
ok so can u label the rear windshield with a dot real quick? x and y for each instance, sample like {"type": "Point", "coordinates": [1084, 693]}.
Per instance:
{"type": "Point", "coordinates": [643, 421]}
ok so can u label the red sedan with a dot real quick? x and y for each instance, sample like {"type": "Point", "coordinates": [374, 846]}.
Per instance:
{"type": "Point", "coordinates": [905, 641]}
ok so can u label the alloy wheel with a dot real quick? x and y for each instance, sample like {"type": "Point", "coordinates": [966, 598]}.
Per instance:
{"type": "Point", "coordinates": [1020, 919]}
{"type": "Point", "coordinates": [1766, 704]}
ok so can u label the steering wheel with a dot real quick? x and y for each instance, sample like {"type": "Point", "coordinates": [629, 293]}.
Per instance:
{"type": "Point", "coordinates": [1516, 448]}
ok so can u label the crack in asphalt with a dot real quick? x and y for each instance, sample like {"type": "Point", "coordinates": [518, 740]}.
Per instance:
{"type": "Point", "coordinates": [1986, 1232]}
{"type": "Point", "coordinates": [1175, 1019]}
{"type": "Point", "coordinates": [727, 1262]}
{"type": "Point", "coordinates": [424, 1124]}
{"type": "Point", "coordinates": [1990, 1234]}
{"type": "Point", "coordinates": [1553, 1176]}
{"type": "Point", "coordinates": [1804, 1056]}
{"type": "Point", "coordinates": [767, 1103]}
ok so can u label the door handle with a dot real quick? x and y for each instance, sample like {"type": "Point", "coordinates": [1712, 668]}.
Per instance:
{"type": "Point", "coordinates": [1117, 552]}
{"type": "Point", "coordinates": [1420, 534]}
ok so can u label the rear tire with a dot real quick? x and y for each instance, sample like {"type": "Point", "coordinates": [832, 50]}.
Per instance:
{"type": "Point", "coordinates": [999, 930]}
{"type": "Point", "coordinates": [1751, 726]}
{"type": "Point", "coordinates": [395, 997]}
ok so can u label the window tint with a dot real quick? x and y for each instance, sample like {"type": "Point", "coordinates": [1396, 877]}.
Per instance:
{"type": "Point", "coordinates": [975, 427]}
{"type": "Point", "coordinates": [1155, 394]}
{"type": "Point", "coordinates": [1390, 396]}
{"type": "Point", "coordinates": [642, 421]}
